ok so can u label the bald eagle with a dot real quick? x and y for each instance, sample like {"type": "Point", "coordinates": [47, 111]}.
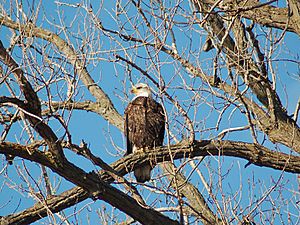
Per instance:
{"type": "Point", "coordinates": [144, 126]}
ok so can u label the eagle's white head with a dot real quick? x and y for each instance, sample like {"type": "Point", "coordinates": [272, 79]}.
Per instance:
{"type": "Point", "coordinates": [141, 90]}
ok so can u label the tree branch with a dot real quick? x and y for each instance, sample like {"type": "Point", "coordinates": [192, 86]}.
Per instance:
{"type": "Point", "coordinates": [195, 198]}
{"type": "Point", "coordinates": [95, 186]}
{"type": "Point", "coordinates": [265, 15]}
{"type": "Point", "coordinates": [31, 106]}
{"type": "Point", "coordinates": [107, 108]}
{"type": "Point", "coordinates": [32, 100]}
{"type": "Point", "coordinates": [255, 154]}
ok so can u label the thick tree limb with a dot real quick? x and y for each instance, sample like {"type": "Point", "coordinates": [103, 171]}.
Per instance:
{"type": "Point", "coordinates": [52, 204]}
{"type": "Point", "coordinates": [265, 15]}
{"type": "Point", "coordinates": [31, 106]}
{"type": "Point", "coordinates": [32, 100]}
{"type": "Point", "coordinates": [255, 154]}
{"type": "Point", "coordinates": [91, 182]}
{"type": "Point", "coordinates": [236, 53]}
{"type": "Point", "coordinates": [295, 14]}
{"type": "Point", "coordinates": [195, 198]}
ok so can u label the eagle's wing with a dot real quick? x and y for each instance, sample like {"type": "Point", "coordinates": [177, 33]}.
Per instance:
{"type": "Point", "coordinates": [144, 127]}
{"type": "Point", "coordinates": [126, 131]}
{"type": "Point", "coordinates": [156, 123]}
{"type": "Point", "coordinates": [135, 124]}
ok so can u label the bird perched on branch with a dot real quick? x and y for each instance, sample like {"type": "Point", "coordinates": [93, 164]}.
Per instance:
{"type": "Point", "coordinates": [144, 126]}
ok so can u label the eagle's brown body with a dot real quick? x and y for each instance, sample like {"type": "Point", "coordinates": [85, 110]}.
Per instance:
{"type": "Point", "coordinates": [144, 128]}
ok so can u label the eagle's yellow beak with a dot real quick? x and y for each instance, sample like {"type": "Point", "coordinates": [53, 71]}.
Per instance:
{"type": "Point", "coordinates": [133, 90]}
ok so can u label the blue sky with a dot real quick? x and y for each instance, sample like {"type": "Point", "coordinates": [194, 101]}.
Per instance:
{"type": "Point", "coordinates": [106, 141]}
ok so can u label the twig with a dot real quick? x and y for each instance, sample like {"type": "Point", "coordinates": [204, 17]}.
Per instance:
{"type": "Point", "coordinates": [222, 134]}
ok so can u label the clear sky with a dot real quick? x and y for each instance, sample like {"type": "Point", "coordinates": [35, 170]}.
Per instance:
{"type": "Point", "coordinates": [108, 142]}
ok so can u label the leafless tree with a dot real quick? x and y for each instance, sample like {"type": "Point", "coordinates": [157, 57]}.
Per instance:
{"type": "Point", "coordinates": [226, 73]}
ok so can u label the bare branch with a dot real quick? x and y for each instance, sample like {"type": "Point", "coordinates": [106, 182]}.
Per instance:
{"type": "Point", "coordinates": [31, 97]}
{"type": "Point", "coordinates": [31, 106]}
{"type": "Point", "coordinates": [90, 182]}
{"type": "Point", "coordinates": [255, 154]}
{"type": "Point", "coordinates": [108, 110]}
{"type": "Point", "coordinates": [265, 14]}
